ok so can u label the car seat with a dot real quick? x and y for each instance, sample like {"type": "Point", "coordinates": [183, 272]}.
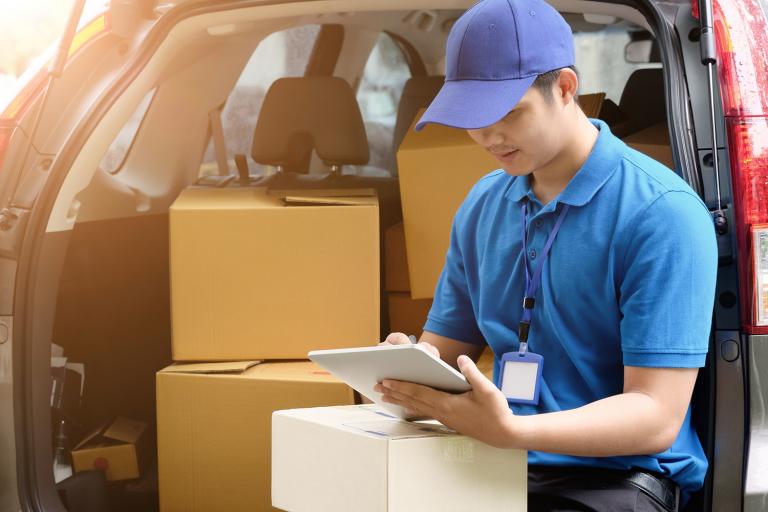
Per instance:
{"type": "Point", "coordinates": [308, 113]}
{"type": "Point", "coordinates": [418, 93]}
{"type": "Point", "coordinates": [642, 102]}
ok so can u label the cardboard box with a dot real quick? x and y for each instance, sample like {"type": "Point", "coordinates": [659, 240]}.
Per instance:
{"type": "Point", "coordinates": [396, 277]}
{"type": "Point", "coordinates": [214, 429]}
{"type": "Point", "coordinates": [437, 167]}
{"type": "Point", "coordinates": [407, 315]}
{"type": "Point", "coordinates": [485, 363]}
{"type": "Point", "coordinates": [115, 448]}
{"type": "Point", "coordinates": [654, 142]}
{"type": "Point", "coordinates": [360, 459]}
{"type": "Point", "coordinates": [255, 278]}
{"type": "Point", "coordinates": [591, 104]}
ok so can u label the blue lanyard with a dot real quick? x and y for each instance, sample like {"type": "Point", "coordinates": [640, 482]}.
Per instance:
{"type": "Point", "coordinates": [532, 283]}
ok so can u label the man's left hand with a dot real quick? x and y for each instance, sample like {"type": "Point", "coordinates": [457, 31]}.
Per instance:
{"type": "Point", "coordinates": [482, 413]}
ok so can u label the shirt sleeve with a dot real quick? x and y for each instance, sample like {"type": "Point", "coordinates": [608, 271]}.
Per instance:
{"type": "Point", "coordinates": [668, 285]}
{"type": "Point", "coordinates": [452, 314]}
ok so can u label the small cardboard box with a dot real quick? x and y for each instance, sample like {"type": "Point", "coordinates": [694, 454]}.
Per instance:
{"type": "Point", "coordinates": [115, 448]}
{"type": "Point", "coordinates": [214, 429]}
{"type": "Point", "coordinates": [654, 142]}
{"type": "Point", "coordinates": [396, 277]}
{"type": "Point", "coordinates": [256, 275]}
{"type": "Point", "coordinates": [360, 459]}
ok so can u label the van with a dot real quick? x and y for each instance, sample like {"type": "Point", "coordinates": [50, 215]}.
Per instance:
{"type": "Point", "coordinates": [149, 98]}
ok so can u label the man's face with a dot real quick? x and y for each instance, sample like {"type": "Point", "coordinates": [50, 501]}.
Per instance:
{"type": "Point", "coordinates": [528, 137]}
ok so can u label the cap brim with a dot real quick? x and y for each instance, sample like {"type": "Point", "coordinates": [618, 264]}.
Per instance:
{"type": "Point", "coordinates": [472, 104]}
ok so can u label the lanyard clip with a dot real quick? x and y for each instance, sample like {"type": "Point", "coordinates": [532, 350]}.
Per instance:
{"type": "Point", "coordinates": [523, 348]}
{"type": "Point", "coordinates": [522, 334]}
{"type": "Point", "coordinates": [528, 302]}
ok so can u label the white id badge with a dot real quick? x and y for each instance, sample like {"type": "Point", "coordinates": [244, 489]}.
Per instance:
{"type": "Point", "coordinates": [520, 377]}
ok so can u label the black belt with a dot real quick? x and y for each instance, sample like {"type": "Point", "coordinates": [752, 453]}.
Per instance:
{"type": "Point", "coordinates": [659, 488]}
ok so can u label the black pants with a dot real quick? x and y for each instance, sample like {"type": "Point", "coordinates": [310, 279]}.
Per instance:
{"type": "Point", "coordinates": [591, 489]}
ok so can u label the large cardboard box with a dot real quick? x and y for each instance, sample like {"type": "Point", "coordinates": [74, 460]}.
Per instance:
{"type": "Point", "coordinates": [214, 429]}
{"type": "Point", "coordinates": [654, 142]}
{"type": "Point", "coordinates": [396, 277]}
{"type": "Point", "coordinates": [117, 448]}
{"type": "Point", "coordinates": [407, 315]}
{"type": "Point", "coordinates": [256, 277]}
{"type": "Point", "coordinates": [360, 459]}
{"type": "Point", "coordinates": [437, 168]}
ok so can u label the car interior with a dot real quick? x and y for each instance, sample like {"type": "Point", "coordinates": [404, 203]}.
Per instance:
{"type": "Point", "coordinates": [214, 107]}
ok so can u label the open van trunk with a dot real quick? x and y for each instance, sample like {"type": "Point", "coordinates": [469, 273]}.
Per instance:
{"type": "Point", "coordinates": [93, 272]}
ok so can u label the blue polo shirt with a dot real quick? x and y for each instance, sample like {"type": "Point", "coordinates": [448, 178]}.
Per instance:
{"type": "Point", "coordinates": [630, 280]}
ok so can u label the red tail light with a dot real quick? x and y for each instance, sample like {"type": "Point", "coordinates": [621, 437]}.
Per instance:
{"type": "Point", "coordinates": [741, 33]}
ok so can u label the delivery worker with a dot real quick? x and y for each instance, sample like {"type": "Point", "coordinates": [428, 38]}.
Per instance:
{"type": "Point", "coordinates": [586, 266]}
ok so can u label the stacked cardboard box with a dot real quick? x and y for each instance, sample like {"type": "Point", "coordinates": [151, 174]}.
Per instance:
{"type": "Point", "coordinates": [438, 166]}
{"type": "Point", "coordinates": [214, 429]}
{"type": "Point", "coordinates": [258, 278]}
{"type": "Point", "coordinates": [272, 275]}
{"type": "Point", "coordinates": [406, 314]}
{"type": "Point", "coordinates": [654, 142]}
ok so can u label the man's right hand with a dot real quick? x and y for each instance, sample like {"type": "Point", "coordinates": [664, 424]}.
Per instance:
{"type": "Point", "coordinates": [398, 338]}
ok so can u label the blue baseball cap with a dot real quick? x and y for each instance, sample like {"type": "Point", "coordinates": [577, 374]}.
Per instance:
{"type": "Point", "coordinates": [493, 55]}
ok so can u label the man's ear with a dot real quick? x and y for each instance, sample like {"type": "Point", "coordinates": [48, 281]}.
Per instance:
{"type": "Point", "coordinates": [566, 86]}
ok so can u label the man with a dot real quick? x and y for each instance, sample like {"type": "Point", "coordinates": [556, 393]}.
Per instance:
{"type": "Point", "coordinates": [615, 254]}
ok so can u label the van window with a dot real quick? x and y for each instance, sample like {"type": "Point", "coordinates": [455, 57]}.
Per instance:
{"type": "Point", "coordinates": [281, 54]}
{"type": "Point", "coordinates": [601, 63]}
{"type": "Point", "coordinates": [378, 94]}
{"type": "Point", "coordinates": [115, 156]}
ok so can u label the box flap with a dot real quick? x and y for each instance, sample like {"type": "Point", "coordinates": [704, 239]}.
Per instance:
{"type": "Point", "coordinates": [319, 192]}
{"type": "Point", "coordinates": [125, 430]}
{"type": "Point", "coordinates": [591, 104]}
{"type": "Point", "coordinates": [322, 201]}
{"type": "Point", "coordinates": [295, 371]}
{"type": "Point", "coordinates": [93, 435]}
{"type": "Point", "coordinates": [434, 135]}
{"type": "Point", "coordinates": [399, 429]}
{"type": "Point", "coordinates": [220, 367]}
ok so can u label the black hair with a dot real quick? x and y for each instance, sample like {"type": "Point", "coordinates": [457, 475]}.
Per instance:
{"type": "Point", "coordinates": [545, 81]}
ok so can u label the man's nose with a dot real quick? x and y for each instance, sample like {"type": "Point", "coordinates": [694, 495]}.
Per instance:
{"type": "Point", "coordinates": [487, 136]}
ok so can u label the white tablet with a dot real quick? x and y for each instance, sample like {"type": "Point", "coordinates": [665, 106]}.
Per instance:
{"type": "Point", "coordinates": [363, 368]}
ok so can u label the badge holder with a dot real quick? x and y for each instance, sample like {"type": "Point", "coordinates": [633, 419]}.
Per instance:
{"type": "Point", "coordinates": [520, 378]}
{"type": "Point", "coordinates": [520, 372]}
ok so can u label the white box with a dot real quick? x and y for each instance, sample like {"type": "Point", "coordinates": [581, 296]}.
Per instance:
{"type": "Point", "coordinates": [359, 458]}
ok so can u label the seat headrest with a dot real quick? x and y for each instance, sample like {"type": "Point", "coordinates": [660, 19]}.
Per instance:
{"type": "Point", "coordinates": [299, 114]}
{"type": "Point", "coordinates": [418, 93]}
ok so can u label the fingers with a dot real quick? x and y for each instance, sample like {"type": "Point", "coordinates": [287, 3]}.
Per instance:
{"type": "Point", "coordinates": [412, 406]}
{"type": "Point", "coordinates": [410, 395]}
{"type": "Point", "coordinates": [433, 349]}
{"type": "Point", "coordinates": [474, 376]}
{"type": "Point", "coordinates": [396, 338]}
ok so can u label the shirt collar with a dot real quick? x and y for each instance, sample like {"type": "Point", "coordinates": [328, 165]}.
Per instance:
{"type": "Point", "coordinates": [599, 166]}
